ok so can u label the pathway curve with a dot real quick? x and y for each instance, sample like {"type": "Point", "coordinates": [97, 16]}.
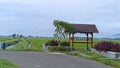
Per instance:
{"type": "Point", "coordinates": [48, 60]}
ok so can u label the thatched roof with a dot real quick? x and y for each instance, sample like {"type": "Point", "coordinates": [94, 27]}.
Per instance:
{"type": "Point", "coordinates": [84, 28]}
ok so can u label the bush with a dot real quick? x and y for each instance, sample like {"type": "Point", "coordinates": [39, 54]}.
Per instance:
{"type": "Point", "coordinates": [52, 43]}
{"type": "Point", "coordinates": [12, 43]}
{"type": "Point", "coordinates": [64, 43]}
{"type": "Point", "coordinates": [58, 48]}
{"type": "Point", "coordinates": [57, 43]}
{"type": "Point", "coordinates": [54, 46]}
{"type": "Point", "coordinates": [107, 46]}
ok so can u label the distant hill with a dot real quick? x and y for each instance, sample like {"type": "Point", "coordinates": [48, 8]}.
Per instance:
{"type": "Point", "coordinates": [116, 35]}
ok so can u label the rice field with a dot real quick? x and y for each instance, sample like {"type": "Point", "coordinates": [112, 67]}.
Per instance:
{"type": "Point", "coordinates": [36, 43]}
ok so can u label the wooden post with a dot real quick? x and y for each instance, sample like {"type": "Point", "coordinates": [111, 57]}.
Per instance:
{"type": "Point", "coordinates": [72, 40]}
{"type": "Point", "coordinates": [69, 38]}
{"type": "Point", "coordinates": [87, 41]}
{"type": "Point", "coordinates": [91, 39]}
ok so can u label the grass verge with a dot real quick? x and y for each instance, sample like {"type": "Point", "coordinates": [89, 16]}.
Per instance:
{"type": "Point", "coordinates": [115, 63]}
{"type": "Point", "coordinates": [7, 64]}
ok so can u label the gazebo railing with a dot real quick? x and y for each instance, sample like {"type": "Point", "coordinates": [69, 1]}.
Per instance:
{"type": "Point", "coordinates": [81, 38]}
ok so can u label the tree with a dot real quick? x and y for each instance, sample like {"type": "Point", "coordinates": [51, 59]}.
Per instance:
{"type": "Point", "coordinates": [21, 36]}
{"type": "Point", "coordinates": [62, 29]}
{"type": "Point", "coordinates": [14, 36]}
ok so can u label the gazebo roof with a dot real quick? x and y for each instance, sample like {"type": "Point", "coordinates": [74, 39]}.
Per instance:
{"type": "Point", "coordinates": [84, 28]}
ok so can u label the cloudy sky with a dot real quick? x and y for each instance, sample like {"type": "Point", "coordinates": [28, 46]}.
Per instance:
{"type": "Point", "coordinates": [35, 17]}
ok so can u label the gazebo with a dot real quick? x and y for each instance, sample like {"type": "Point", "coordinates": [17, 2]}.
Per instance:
{"type": "Point", "coordinates": [84, 29]}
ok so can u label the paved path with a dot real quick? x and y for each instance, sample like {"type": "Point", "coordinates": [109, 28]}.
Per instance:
{"type": "Point", "coordinates": [48, 60]}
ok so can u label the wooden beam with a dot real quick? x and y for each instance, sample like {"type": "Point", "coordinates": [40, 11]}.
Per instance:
{"type": "Point", "coordinates": [83, 42]}
{"type": "Point", "coordinates": [87, 41]}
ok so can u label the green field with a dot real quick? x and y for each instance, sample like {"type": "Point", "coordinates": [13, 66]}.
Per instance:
{"type": "Point", "coordinates": [37, 43]}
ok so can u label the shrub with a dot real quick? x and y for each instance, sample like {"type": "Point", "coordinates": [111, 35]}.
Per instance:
{"type": "Point", "coordinates": [64, 43]}
{"type": "Point", "coordinates": [107, 46]}
{"type": "Point", "coordinates": [52, 43]}
{"type": "Point", "coordinates": [57, 43]}
{"type": "Point", "coordinates": [54, 46]}
{"type": "Point", "coordinates": [116, 48]}
{"type": "Point", "coordinates": [58, 48]}
{"type": "Point", "coordinates": [12, 43]}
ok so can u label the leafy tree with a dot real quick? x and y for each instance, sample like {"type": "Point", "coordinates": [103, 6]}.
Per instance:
{"type": "Point", "coordinates": [14, 36]}
{"type": "Point", "coordinates": [62, 29]}
{"type": "Point", "coordinates": [21, 36]}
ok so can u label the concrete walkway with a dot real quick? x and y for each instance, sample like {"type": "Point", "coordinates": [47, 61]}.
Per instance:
{"type": "Point", "coordinates": [48, 60]}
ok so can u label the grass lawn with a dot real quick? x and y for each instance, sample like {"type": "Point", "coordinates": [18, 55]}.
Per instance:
{"type": "Point", "coordinates": [7, 64]}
